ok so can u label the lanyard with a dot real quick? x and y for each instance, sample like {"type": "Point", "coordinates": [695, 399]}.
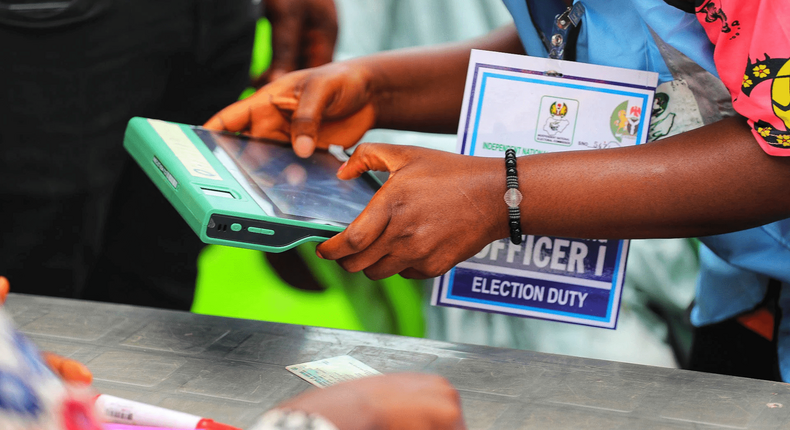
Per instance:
{"type": "Point", "coordinates": [559, 32]}
{"type": "Point", "coordinates": [553, 22]}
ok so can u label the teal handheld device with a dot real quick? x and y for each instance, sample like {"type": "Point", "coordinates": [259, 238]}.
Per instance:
{"type": "Point", "coordinates": [246, 192]}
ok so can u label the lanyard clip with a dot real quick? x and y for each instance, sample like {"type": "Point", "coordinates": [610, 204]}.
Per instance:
{"type": "Point", "coordinates": [559, 32]}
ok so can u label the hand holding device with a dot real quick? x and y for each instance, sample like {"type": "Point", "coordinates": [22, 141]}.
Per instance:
{"type": "Point", "coordinates": [328, 105]}
{"type": "Point", "coordinates": [435, 210]}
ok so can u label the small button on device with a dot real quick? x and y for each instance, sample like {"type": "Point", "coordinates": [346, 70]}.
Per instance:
{"type": "Point", "coordinates": [260, 231]}
{"type": "Point", "coordinates": [235, 226]}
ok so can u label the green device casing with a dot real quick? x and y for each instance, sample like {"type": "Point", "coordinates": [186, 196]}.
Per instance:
{"type": "Point", "coordinates": [183, 168]}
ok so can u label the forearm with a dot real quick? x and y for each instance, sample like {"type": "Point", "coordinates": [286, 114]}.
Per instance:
{"type": "Point", "coordinates": [712, 180]}
{"type": "Point", "coordinates": [437, 208]}
{"type": "Point", "coordinates": [422, 89]}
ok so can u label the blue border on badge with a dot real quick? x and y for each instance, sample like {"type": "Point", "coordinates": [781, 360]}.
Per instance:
{"type": "Point", "coordinates": [502, 307]}
{"type": "Point", "coordinates": [486, 75]}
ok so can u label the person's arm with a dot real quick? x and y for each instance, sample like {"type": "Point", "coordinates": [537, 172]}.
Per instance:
{"type": "Point", "coordinates": [422, 89]}
{"type": "Point", "coordinates": [304, 33]}
{"type": "Point", "coordinates": [715, 179]}
{"type": "Point", "coordinates": [395, 401]}
{"type": "Point", "coordinates": [416, 89]}
{"type": "Point", "coordinates": [438, 209]}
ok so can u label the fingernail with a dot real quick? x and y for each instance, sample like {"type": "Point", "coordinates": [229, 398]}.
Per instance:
{"type": "Point", "coordinates": [318, 254]}
{"type": "Point", "coordinates": [303, 146]}
{"type": "Point", "coordinates": [342, 166]}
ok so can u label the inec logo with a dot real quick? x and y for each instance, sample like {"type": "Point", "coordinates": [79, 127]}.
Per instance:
{"type": "Point", "coordinates": [556, 123]}
{"type": "Point", "coordinates": [556, 120]}
{"type": "Point", "coordinates": [625, 121]}
{"type": "Point", "coordinates": [558, 110]}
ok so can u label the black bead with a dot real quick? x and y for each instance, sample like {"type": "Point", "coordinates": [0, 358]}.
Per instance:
{"type": "Point", "coordinates": [512, 182]}
{"type": "Point", "coordinates": [515, 238]}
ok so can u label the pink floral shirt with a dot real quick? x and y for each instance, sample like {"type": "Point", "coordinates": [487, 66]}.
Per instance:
{"type": "Point", "coordinates": [752, 56]}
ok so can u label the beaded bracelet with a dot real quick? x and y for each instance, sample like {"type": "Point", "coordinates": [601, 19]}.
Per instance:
{"type": "Point", "coordinates": [513, 196]}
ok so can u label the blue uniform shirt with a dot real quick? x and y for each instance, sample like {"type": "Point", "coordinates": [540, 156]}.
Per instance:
{"type": "Point", "coordinates": [735, 267]}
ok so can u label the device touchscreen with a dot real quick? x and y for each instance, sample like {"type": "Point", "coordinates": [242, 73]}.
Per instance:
{"type": "Point", "coordinates": [287, 186]}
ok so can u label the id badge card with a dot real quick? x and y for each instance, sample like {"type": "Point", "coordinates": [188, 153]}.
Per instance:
{"type": "Point", "coordinates": [538, 105]}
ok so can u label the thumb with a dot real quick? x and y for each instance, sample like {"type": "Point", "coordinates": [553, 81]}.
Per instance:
{"type": "Point", "coordinates": [372, 156]}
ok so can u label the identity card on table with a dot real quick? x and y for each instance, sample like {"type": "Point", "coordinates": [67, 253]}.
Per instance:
{"type": "Point", "coordinates": [330, 371]}
{"type": "Point", "coordinates": [536, 105]}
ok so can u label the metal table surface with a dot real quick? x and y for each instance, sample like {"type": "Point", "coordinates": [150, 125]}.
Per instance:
{"type": "Point", "coordinates": [233, 370]}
